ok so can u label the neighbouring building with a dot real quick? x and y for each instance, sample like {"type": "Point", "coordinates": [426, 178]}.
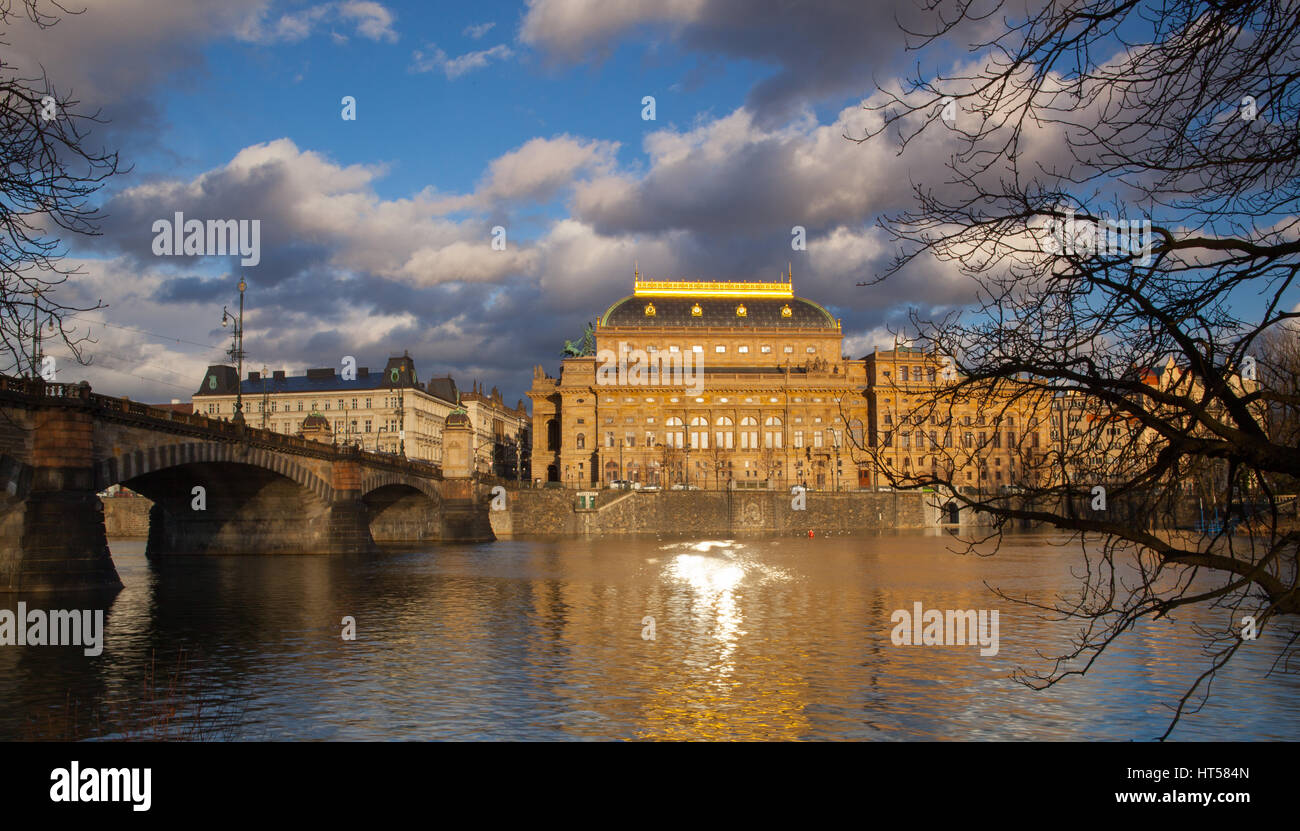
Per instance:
{"type": "Point", "coordinates": [987, 440]}
{"type": "Point", "coordinates": [390, 411]}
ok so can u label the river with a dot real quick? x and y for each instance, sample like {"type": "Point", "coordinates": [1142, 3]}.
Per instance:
{"type": "Point", "coordinates": [786, 638]}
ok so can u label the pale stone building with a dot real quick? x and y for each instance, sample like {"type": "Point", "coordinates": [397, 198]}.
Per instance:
{"type": "Point", "coordinates": [390, 411]}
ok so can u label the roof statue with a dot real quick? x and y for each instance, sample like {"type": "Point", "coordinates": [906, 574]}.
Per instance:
{"type": "Point", "coordinates": [585, 347]}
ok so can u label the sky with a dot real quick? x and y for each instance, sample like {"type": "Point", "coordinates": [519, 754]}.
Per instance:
{"type": "Point", "coordinates": [376, 232]}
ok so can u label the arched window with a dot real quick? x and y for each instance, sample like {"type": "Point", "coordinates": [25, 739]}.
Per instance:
{"type": "Point", "coordinates": [724, 438]}
{"type": "Point", "coordinates": [673, 437]}
{"type": "Point", "coordinates": [552, 435]}
{"type": "Point", "coordinates": [699, 433]}
{"type": "Point", "coordinates": [772, 432]}
{"type": "Point", "coordinates": [748, 438]}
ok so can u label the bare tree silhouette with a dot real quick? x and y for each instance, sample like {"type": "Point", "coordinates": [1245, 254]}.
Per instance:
{"type": "Point", "coordinates": [1152, 358]}
{"type": "Point", "coordinates": [49, 176]}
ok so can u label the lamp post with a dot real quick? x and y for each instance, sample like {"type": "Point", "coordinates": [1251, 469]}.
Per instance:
{"type": "Point", "coordinates": [519, 455]}
{"type": "Point", "coordinates": [236, 351]}
{"type": "Point", "coordinates": [36, 334]}
{"type": "Point", "coordinates": [266, 399]}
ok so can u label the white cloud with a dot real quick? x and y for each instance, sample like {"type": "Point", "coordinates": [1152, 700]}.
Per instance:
{"type": "Point", "coordinates": [479, 30]}
{"type": "Point", "coordinates": [437, 60]}
{"type": "Point", "coordinates": [371, 20]}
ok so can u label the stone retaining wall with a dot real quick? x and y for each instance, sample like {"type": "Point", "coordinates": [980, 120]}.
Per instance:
{"type": "Point", "coordinates": [552, 512]}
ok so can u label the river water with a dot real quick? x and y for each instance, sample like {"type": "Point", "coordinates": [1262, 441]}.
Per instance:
{"type": "Point", "coordinates": [784, 638]}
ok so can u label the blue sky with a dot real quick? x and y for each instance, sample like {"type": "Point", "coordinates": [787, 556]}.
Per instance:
{"type": "Point", "coordinates": [376, 232]}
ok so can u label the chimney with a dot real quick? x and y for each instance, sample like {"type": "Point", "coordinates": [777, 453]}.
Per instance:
{"type": "Point", "coordinates": [277, 375]}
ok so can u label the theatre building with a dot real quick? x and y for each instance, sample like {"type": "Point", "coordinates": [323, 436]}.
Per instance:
{"type": "Point", "coordinates": [706, 384]}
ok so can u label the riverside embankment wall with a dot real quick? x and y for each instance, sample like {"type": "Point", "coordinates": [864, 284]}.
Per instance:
{"type": "Point", "coordinates": [552, 512]}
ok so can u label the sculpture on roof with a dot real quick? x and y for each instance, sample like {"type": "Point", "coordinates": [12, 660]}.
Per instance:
{"type": "Point", "coordinates": [583, 348]}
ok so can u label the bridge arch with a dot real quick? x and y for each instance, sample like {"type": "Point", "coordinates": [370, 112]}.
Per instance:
{"type": "Point", "coordinates": [118, 469]}
{"type": "Point", "coordinates": [373, 480]}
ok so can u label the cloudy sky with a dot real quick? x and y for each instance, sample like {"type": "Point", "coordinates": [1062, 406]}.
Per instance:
{"type": "Point", "coordinates": [376, 232]}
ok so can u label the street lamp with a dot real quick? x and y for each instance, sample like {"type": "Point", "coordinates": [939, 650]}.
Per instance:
{"type": "Point", "coordinates": [266, 398]}
{"type": "Point", "coordinates": [236, 351]}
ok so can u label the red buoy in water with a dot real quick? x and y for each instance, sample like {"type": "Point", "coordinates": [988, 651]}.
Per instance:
{"type": "Point", "coordinates": [810, 533]}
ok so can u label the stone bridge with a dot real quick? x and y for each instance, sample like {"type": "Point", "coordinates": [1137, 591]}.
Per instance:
{"type": "Point", "coordinates": [217, 488]}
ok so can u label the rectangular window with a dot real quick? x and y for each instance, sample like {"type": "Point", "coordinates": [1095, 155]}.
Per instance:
{"type": "Point", "coordinates": [367, 403]}
{"type": "Point", "coordinates": [744, 350]}
{"type": "Point", "coordinates": [719, 349]}
{"type": "Point", "coordinates": [798, 438]}
{"type": "Point", "coordinates": [674, 349]}
{"type": "Point", "coordinates": [765, 349]}
{"type": "Point", "coordinates": [649, 439]}
{"type": "Point", "coordinates": [817, 438]}
{"type": "Point", "coordinates": [631, 439]}
{"type": "Point", "coordinates": [609, 439]}
{"type": "Point", "coordinates": [367, 425]}
{"type": "Point", "coordinates": [327, 405]}
{"type": "Point", "coordinates": [354, 403]}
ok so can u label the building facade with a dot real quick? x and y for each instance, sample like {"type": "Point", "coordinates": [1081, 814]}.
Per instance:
{"type": "Point", "coordinates": [390, 411]}
{"type": "Point", "coordinates": [987, 439]}
{"type": "Point", "coordinates": [705, 384]}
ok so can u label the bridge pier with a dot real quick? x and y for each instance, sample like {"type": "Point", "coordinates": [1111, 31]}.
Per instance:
{"type": "Point", "coordinates": [62, 545]}
{"type": "Point", "coordinates": [464, 516]}
{"type": "Point", "coordinates": [349, 519]}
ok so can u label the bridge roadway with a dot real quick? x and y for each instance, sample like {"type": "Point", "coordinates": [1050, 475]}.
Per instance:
{"type": "Point", "coordinates": [263, 492]}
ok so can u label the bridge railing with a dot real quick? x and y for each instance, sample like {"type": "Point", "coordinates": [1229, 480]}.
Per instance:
{"type": "Point", "coordinates": [36, 390]}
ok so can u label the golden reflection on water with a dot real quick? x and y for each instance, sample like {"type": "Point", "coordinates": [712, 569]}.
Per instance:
{"type": "Point", "coordinates": [702, 696]}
